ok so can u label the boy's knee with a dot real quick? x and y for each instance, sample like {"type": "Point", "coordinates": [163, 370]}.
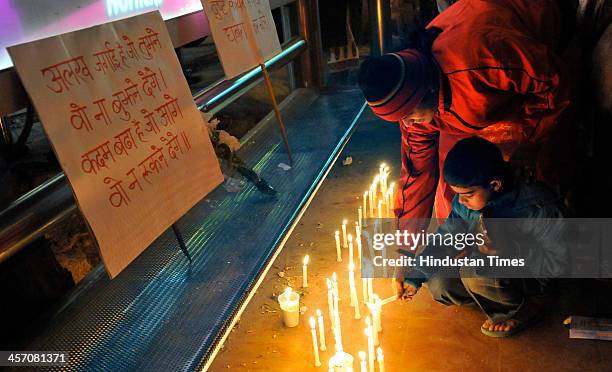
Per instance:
{"type": "Point", "coordinates": [439, 288]}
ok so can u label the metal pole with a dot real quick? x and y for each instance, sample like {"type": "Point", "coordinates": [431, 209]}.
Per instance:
{"type": "Point", "coordinates": [286, 27]}
{"type": "Point", "coordinates": [312, 62]}
{"type": "Point", "coordinates": [380, 18]}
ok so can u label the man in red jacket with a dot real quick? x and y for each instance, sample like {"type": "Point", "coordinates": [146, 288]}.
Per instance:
{"type": "Point", "coordinates": [486, 68]}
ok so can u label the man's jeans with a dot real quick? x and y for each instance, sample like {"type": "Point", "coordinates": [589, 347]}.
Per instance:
{"type": "Point", "coordinates": [500, 299]}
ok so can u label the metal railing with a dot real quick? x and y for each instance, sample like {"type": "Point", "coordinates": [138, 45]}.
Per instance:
{"type": "Point", "coordinates": [30, 216]}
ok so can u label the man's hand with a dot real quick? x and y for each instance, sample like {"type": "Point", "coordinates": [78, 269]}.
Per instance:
{"type": "Point", "coordinates": [404, 291]}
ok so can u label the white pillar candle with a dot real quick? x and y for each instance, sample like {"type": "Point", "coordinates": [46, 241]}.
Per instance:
{"type": "Point", "coordinates": [359, 216]}
{"type": "Point", "coordinates": [330, 302]}
{"type": "Point", "coordinates": [363, 361]}
{"type": "Point", "coordinates": [370, 289]}
{"type": "Point", "coordinates": [344, 241]}
{"type": "Point", "coordinates": [315, 347]}
{"type": "Point", "coordinates": [341, 362]}
{"type": "Point", "coordinates": [338, 252]}
{"type": "Point", "coordinates": [289, 302]}
{"type": "Point", "coordinates": [369, 332]}
{"type": "Point", "coordinates": [305, 271]}
{"type": "Point", "coordinates": [381, 359]}
{"type": "Point", "coordinates": [374, 193]}
{"type": "Point", "coordinates": [380, 209]}
{"type": "Point", "coordinates": [322, 345]}
{"type": "Point", "coordinates": [350, 245]}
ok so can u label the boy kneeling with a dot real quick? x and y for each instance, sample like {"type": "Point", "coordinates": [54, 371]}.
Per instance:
{"type": "Point", "coordinates": [487, 194]}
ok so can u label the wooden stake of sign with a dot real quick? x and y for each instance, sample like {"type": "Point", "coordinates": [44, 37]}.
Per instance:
{"type": "Point", "coordinates": [277, 112]}
{"type": "Point", "coordinates": [253, 44]}
{"type": "Point", "coordinates": [181, 241]}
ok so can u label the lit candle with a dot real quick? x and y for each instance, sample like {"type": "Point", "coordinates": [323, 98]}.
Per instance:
{"type": "Point", "coordinates": [360, 216]}
{"type": "Point", "coordinates": [380, 210]}
{"type": "Point", "coordinates": [381, 360]}
{"type": "Point", "coordinates": [315, 347]}
{"type": "Point", "coordinates": [391, 200]}
{"type": "Point", "coordinates": [350, 245]}
{"type": "Point", "coordinates": [364, 289]}
{"type": "Point", "coordinates": [369, 332]}
{"type": "Point", "coordinates": [383, 183]}
{"type": "Point", "coordinates": [351, 277]}
{"type": "Point", "coordinates": [370, 289]}
{"type": "Point", "coordinates": [330, 302]}
{"type": "Point", "coordinates": [358, 240]}
{"type": "Point", "coordinates": [365, 211]}
{"type": "Point", "coordinates": [305, 271]}
{"type": "Point", "coordinates": [335, 293]}
{"type": "Point", "coordinates": [362, 359]}
{"type": "Point", "coordinates": [375, 186]}
{"type": "Point", "coordinates": [354, 299]}
{"type": "Point", "coordinates": [289, 302]}
{"type": "Point", "coordinates": [338, 252]}
{"type": "Point", "coordinates": [321, 330]}
{"type": "Point", "coordinates": [388, 203]}
{"type": "Point", "coordinates": [378, 308]}
{"type": "Point", "coordinates": [344, 242]}
{"type": "Point", "coordinates": [373, 315]}
{"type": "Point", "coordinates": [388, 300]}
{"type": "Point", "coordinates": [371, 201]}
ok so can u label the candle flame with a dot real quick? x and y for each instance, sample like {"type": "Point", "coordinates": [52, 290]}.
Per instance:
{"type": "Point", "coordinates": [362, 355]}
{"type": "Point", "coordinates": [344, 222]}
{"type": "Point", "coordinates": [337, 233]}
{"type": "Point", "coordinates": [312, 322]}
{"type": "Point", "coordinates": [306, 260]}
{"type": "Point", "coordinates": [319, 313]}
{"type": "Point", "coordinates": [334, 277]}
{"type": "Point", "coordinates": [379, 352]}
{"type": "Point", "coordinates": [328, 283]}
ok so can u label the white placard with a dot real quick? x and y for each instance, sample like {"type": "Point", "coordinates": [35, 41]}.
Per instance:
{"type": "Point", "coordinates": [118, 112]}
{"type": "Point", "coordinates": [231, 32]}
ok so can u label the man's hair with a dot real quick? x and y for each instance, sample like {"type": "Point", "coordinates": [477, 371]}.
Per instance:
{"type": "Point", "coordinates": [474, 161]}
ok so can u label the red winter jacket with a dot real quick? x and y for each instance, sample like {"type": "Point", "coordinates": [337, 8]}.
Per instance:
{"type": "Point", "coordinates": [500, 79]}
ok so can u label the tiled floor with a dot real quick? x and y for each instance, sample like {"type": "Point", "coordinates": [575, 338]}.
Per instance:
{"type": "Point", "coordinates": [421, 335]}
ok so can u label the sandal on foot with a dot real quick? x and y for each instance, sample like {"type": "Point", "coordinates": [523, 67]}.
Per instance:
{"type": "Point", "coordinates": [520, 324]}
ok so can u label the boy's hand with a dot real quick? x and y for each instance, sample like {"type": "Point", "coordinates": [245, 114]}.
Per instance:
{"type": "Point", "coordinates": [404, 291]}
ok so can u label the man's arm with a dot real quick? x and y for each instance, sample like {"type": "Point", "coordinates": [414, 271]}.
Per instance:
{"type": "Point", "coordinates": [419, 174]}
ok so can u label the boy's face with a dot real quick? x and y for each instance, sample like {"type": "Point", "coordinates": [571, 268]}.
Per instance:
{"type": "Point", "coordinates": [476, 197]}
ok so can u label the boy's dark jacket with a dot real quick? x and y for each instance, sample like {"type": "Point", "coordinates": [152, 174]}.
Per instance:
{"type": "Point", "coordinates": [527, 223]}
